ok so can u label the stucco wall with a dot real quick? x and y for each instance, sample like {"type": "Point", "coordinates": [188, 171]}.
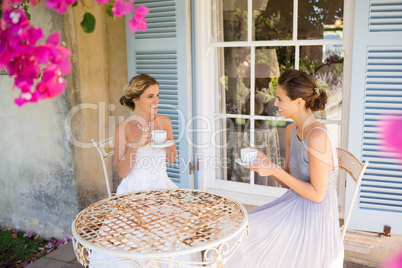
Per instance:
{"type": "Point", "coordinates": [100, 72]}
{"type": "Point", "coordinates": [37, 174]}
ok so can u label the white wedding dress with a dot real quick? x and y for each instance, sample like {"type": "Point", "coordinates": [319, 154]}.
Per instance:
{"type": "Point", "coordinates": [149, 173]}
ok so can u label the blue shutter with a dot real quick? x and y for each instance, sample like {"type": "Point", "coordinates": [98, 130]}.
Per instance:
{"type": "Point", "coordinates": [376, 92]}
{"type": "Point", "coordinates": [163, 52]}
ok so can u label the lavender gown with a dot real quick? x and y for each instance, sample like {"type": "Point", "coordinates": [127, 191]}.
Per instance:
{"type": "Point", "coordinates": [293, 231]}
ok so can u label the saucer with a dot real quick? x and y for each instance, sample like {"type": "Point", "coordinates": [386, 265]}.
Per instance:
{"type": "Point", "coordinates": [167, 143]}
{"type": "Point", "coordinates": [242, 163]}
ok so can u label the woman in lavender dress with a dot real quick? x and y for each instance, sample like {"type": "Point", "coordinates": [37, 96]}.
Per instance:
{"type": "Point", "coordinates": [300, 228]}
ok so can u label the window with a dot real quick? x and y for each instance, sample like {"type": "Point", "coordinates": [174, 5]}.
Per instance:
{"type": "Point", "coordinates": [255, 41]}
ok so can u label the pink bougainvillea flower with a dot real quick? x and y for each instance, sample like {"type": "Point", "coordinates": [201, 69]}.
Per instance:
{"type": "Point", "coordinates": [8, 4]}
{"type": "Point", "coordinates": [121, 8]}
{"type": "Point", "coordinates": [138, 23]}
{"type": "Point", "coordinates": [52, 83]}
{"type": "Point", "coordinates": [59, 6]}
{"type": "Point", "coordinates": [391, 133]}
{"type": "Point", "coordinates": [24, 59]}
{"type": "Point", "coordinates": [34, 2]}
{"type": "Point", "coordinates": [26, 97]}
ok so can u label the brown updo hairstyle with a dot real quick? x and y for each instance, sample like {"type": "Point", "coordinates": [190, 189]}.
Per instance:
{"type": "Point", "coordinates": [135, 88]}
{"type": "Point", "coordinates": [299, 84]}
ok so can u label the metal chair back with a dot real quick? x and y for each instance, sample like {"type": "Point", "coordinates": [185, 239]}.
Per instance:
{"type": "Point", "coordinates": [348, 162]}
{"type": "Point", "coordinates": [105, 149]}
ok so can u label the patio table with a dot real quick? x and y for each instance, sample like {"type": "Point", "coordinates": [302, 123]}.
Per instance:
{"type": "Point", "coordinates": [151, 228]}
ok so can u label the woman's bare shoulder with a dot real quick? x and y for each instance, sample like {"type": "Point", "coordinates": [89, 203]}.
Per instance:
{"type": "Point", "coordinates": [162, 119]}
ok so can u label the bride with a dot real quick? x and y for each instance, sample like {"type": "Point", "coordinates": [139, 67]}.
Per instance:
{"type": "Point", "coordinates": [142, 167]}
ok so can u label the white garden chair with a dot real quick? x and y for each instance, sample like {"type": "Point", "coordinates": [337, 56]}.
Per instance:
{"type": "Point", "coordinates": [348, 162]}
{"type": "Point", "coordinates": [106, 150]}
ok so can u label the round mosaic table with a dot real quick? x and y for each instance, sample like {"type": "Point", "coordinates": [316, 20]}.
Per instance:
{"type": "Point", "coordinates": [151, 228]}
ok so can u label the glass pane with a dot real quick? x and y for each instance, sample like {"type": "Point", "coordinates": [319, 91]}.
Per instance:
{"type": "Point", "coordinates": [272, 20]}
{"type": "Point", "coordinates": [320, 19]}
{"type": "Point", "coordinates": [235, 80]}
{"type": "Point", "coordinates": [266, 75]}
{"type": "Point", "coordinates": [232, 134]}
{"type": "Point", "coordinates": [268, 141]}
{"type": "Point", "coordinates": [326, 63]}
{"type": "Point", "coordinates": [229, 20]}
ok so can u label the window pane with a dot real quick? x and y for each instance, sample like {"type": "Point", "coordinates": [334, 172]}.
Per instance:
{"type": "Point", "coordinates": [326, 63]}
{"type": "Point", "coordinates": [320, 19]}
{"type": "Point", "coordinates": [272, 20]}
{"type": "Point", "coordinates": [229, 20]}
{"type": "Point", "coordinates": [268, 141]}
{"type": "Point", "coordinates": [234, 80]}
{"type": "Point", "coordinates": [232, 134]}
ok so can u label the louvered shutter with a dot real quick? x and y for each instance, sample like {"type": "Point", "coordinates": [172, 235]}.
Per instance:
{"type": "Point", "coordinates": [376, 92]}
{"type": "Point", "coordinates": [163, 51]}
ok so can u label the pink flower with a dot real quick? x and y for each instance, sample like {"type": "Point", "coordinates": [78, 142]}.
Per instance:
{"type": "Point", "coordinates": [394, 262]}
{"type": "Point", "coordinates": [392, 134]}
{"type": "Point", "coordinates": [52, 83]}
{"type": "Point", "coordinates": [59, 6]}
{"type": "Point", "coordinates": [24, 59]}
{"type": "Point", "coordinates": [26, 97]}
{"type": "Point", "coordinates": [138, 20]}
{"type": "Point", "coordinates": [121, 8]}
{"type": "Point", "coordinates": [8, 4]}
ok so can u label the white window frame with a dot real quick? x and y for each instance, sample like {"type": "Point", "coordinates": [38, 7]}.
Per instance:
{"type": "Point", "coordinates": [206, 88]}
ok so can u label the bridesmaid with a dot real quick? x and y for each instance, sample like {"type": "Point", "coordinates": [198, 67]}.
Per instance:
{"type": "Point", "coordinates": [300, 228]}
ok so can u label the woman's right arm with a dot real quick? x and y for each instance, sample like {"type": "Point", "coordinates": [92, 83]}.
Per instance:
{"type": "Point", "coordinates": [124, 156]}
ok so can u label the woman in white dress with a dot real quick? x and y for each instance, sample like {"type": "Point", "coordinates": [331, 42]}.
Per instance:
{"type": "Point", "coordinates": [142, 167]}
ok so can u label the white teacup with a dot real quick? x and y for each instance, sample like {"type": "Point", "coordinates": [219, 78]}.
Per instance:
{"type": "Point", "coordinates": [159, 136]}
{"type": "Point", "coordinates": [248, 155]}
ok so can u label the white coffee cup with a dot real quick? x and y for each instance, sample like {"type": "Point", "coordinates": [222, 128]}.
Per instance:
{"type": "Point", "coordinates": [159, 136]}
{"type": "Point", "coordinates": [248, 155]}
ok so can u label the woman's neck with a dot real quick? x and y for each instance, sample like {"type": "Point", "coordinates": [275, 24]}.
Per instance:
{"type": "Point", "coordinates": [304, 119]}
{"type": "Point", "coordinates": [146, 116]}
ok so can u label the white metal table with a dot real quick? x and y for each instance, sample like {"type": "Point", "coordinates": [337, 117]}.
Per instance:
{"type": "Point", "coordinates": [155, 227]}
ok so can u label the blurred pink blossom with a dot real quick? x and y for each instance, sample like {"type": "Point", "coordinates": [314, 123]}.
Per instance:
{"type": "Point", "coordinates": [138, 20]}
{"type": "Point", "coordinates": [394, 262]}
{"type": "Point", "coordinates": [122, 7]}
{"type": "Point", "coordinates": [60, 6]}
{"type": "Point", "coordinates": [391, 133]}
{"type": "Point", "coordinates": [8, 4]}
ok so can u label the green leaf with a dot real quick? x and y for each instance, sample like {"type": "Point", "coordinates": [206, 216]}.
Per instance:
{"type": "Point", "coordinates": [75, 3]}
{"type": "Point", "coordinates": [88, 23]}
{"type": "Point", "coordinates": [109, 10]}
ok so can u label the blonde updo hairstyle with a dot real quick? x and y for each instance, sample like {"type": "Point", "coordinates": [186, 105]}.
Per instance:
{"type": "Point", "coordinates": [135, 88]}
{"type": "Point", "coordinates": [299, 84]}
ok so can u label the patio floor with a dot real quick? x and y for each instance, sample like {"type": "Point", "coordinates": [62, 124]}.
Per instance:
{"type": "Point", "coordinates": [65, 257]}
